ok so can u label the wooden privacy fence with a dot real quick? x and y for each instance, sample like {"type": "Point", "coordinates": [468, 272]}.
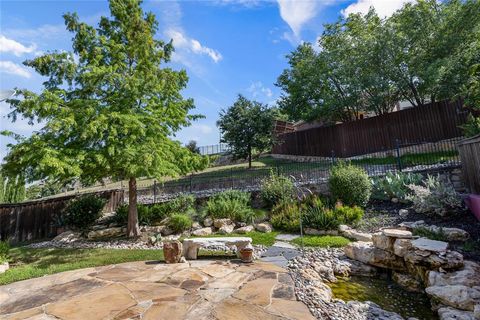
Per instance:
{"type": "Point", "coordinates": [430, 123]}
{"type": "Point", "coordinates": [37, 219]}
{"type": "Point", "coordinates": [469, 150]}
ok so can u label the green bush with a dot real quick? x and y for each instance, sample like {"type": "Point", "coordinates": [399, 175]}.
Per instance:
{"type": "Point", "coordinates": [348, 215]}
{"type": "Point", "coordinates": [286, 216]}
{"type": "Point", "coordinates": [276, 188]}
{"type": "Point", "coordinates": [321, 218]}
{"type": "Point", "coordinates": [4, 249]}
{"type": "Point", "coordinates": [394, 185]}
{"type": "Point", "coordinates": [145, 215]}
{"type": "Point", "coordinates": [82, 212]}
{"type": "Point", "coordinates": [350, 184]}
{"type": "Point", "coordinates": [179, 222]}
{"type": "Point", "coordinates": [232, 204]}
{"type": "Point", "coordinates": [184, 203]}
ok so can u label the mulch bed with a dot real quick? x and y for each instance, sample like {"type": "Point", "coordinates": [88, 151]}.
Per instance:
{"type": "Point", "coordinates": [381, 214]}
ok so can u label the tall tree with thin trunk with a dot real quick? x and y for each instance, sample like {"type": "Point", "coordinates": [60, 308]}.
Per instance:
{"type": "Point", "coordinates": [247, 126]}
{"type": "Point", "coordinates": [109, 108]}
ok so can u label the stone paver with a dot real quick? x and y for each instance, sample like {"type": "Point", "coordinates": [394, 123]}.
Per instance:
{"type": "Point", "coordinates": [203, 289]}
{"type": "Point", "coordinates": [286, 237]}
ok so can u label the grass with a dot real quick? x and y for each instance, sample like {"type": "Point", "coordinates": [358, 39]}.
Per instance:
{"type": "Point", "coordinates": [411, 159]}
{"type": "Point", "coordinates": [26, 263]}
{"type": "Point", "coordinates": [259, 238]}
{"type": "Point", "coordinates": [322, 241]}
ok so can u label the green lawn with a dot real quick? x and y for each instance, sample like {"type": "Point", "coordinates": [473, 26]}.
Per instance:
{"type": "Point", "coordinates": [322, 241]}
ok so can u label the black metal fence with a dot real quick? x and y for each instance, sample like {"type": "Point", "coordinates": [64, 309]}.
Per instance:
{"type": "Point", "coordinates": [213, 149]}
{"type": "Point", "coordinates": [306, 170]}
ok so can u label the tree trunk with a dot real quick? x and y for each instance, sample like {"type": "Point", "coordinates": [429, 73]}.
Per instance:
{"type": "Point", "coordinates": [249, 157]}
{"type": "Point", "coordinates": [132, 227]}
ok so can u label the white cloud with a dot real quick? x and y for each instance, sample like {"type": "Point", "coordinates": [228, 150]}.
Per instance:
{"type": "Point", "coordinates": [12, 46]}
{"type": "Point", "coordinates": [297, 13]}
{"type": "Point", "coordinates": [257, 89]}
{"type": "Point", "coordinates": [384, 8]}
{"type": "Point", "coordinates": [202, 128]}
{"type": "Point", "coordinates": [183, 42]}
{"type": "Point", "coordinates": [10, 67]}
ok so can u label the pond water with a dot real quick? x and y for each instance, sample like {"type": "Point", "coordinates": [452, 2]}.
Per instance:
{"type": "Point", "coordinates": [386, 294]}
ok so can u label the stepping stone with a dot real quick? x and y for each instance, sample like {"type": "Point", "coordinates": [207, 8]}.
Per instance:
{"type": "Point", "coordinates": [286, 237]}
{"type": "Point", "coordinates": [430, 245]}
{"type": "Point", "coordinates": [280, 261]}
{"type": "Point", "coordinates": [282, 244]}
{"type": "Point", "coordinates": [397, 233]}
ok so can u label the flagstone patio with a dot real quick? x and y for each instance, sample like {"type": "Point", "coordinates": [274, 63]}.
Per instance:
{"type": "Point", "coordinates": [201, 289]}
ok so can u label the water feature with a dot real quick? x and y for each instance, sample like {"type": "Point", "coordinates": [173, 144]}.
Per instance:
{"type": "Point", "coordinates": [387, 294]}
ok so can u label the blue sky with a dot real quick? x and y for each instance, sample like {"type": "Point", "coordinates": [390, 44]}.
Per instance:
{"type": "Point", "coordinates": [227, 46]}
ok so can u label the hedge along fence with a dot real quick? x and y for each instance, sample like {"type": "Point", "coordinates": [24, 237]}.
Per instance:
{"type": "Point", "coordinates": [469, 150]}
{"type": "Point", "coordinates": [430, 123]}
{"type": "Point", "coordinates": [37, 219]}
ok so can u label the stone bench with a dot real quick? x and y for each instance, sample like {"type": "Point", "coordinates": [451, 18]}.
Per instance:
{"type": "Point", "coordinates": [191, 246]}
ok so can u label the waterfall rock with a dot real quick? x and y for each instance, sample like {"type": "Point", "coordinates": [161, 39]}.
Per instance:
{"type": "Point", "coordinates": [366, 252]}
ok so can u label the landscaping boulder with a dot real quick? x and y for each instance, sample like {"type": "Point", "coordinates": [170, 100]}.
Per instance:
{"type": "Point", "coordinates": [366, 252]}
{"type": "Point", "coordinates": [67, 236]}
{"type": "Point", "coordinates": [401, 247]}
{"type": "Point", "coordinates": [245, 229]}
{"type": "Point", "coordinates": [457, 296]}
{"type": "Point", "coordinates": [226, 229]}
{"type": "Point", "coordinates": [203, 232]}
{"type": "Point", "coordinates": [407, 281]}
{"type": "Point", "coordinates": [208, 222]}
{"type": "Point", "coordinates": [468, 276]}
{"type": "Point", "coordinates": [218, 223]}
{"type": "Point", "coordinates": [357, 235]}
{"type": "Point", "coordinates": [448, 313]}
{"type": "Point", "coordinates": [172, 251]}
{"type": "Point", "coordinates": [4, 267]}
{"type": "Point", "coordinates": [196, 226]}
{"type": "Point", "coordinates": [106, 233]}
{"type": "Point", "coordinates": [450, 260]}
{"type": "Point", "coordinates": [383, 242]}
{"type": "Point", "coordinates": [264, 227]}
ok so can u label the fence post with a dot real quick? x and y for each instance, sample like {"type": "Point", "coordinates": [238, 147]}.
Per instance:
{"type": "Point", "coordinates": [154, 191]}
{"type": "Point", "coordinates": [399, 160]}
{"type": "Point", "coordinates": [191, 177]}
{"type": "Point", "coordinates": [333, 157]}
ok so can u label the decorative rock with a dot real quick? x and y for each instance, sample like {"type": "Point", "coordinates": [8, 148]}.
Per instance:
{"type": "Point", "coordinates": [316, 232]}
{"type": "Point", "coordinates": [455, 234]}
{"type": "Point", "coordinates": [403, 213]}
{"type": "Point", "coordinates": [191, 246]}
{"type": "Point", "coordinates": [226, 229]}
{"type": "Point", "coordinates": [203, 232]}
{"type": "Point", "coordinates": [394, 200]}
{"type": "Point", "coordinates": [106, 233]}
{"type": "Point", "coordinates": [4, 267]}
{"type": "Point", "coordinates": [367, 253]}
{"type": "Point", "coordinates": [450, 260]}
{"type": "Point", "coordinates": [166, 231]}
{"type": "Point", "coordinates": [397, 233]}
{"type": "Point", "coordinates": [172, 251]}
{"type": "Point", "coordinates": [343, 228]}
{"type": "Point", "coordinates": [381, 241]}
{"type": "Point", "coordinates": [429, 245]}
{"type": "Point", "coordinates": [476, 311]}
{"type": "Point", "coordinates": [245, 229]}
{"type": "Point", "coordinates": [196, 226]}
{"type": "Point", "coordinates": [356, 235]}
{"type": "Point", "coordinates": [264, 227]}
{"type": "Point", "coordinates": [67, 236]}
{"type": "Point", "coordinates": [406, 281]}
{"type": "Point", "coordinates": [457, 296]}
{"type": "Point", "coordinates": [447, 313]}
{"type": "Point", "coordinates": [218, 223]}
{"type": "Point", "coordinates": [468, 276]}
{"type": "Point", "coordinates": [401, 247]}
{"type": "Point", "coordinates": [152, 229]}
{"type": "Point", "coordinates": [208, 222]}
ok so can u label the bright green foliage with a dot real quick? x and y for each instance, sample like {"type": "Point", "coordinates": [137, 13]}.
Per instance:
{"type": "Point", "coordinates": [349, 184]}
{"type": "Point", "coordinates": [322, 241]}
{"type": "Point", "coordinates": [285, 216]}
{"type": "Point", "coordinates": [348, 215]}
{"type": "Point", "coordinates": [394, 185]}
{"type": "Point", "coordinates": [435, 196]}
{"type": "Point", "coordinates": [4, 249]}
{"type": "Point", "coordinates": [82, 212]}
{"type": "Point", "coordinates": [367, 64]}
{"type": "Point", "coordinates": [277, 188]}
{"type": "Point", "coordinates": [232, 204]}
{"type": "Point", "coordinates": [183, 203]}
{"type": "Point", "coordinates": [12, 190]}
{"type": "Point", "coordinates": [180, 222]}
{"type": "Point", "coordinates": [247, 126]}
{"type": "Point", "coordinates": [472, 101]}
{"type": "Point", "coordinates": [321, 218]}
{"type": "Point", "coordinates": [146, 215]}
{"type": "Point", "coordinates": [109, 108]}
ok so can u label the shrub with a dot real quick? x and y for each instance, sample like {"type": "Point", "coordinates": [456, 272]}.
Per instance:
{"type": "Point", "coordinates": [394, 185]}
{"type": "Point", "coordinates": [321, 218]}
{"type": "Point", "coordinates": [145, 214]}
{"type": "Point", "coordinates": [348, 215]}
{"type": "Point", "coordinates": [276, 188]}
{"type": "Point", "coordinates": [4, 249]}
{"type": "Point", "coordinates": [434, 197]}
{"type": "Point", "coordinates": [350, 184]}
{"type": "Point", "coordinates": [184, 203]}
{"type": "Point", "coordinates": [232, 204]}
{"type": "Point", "coordinates": [286, 216]}
{"type": "Point", "coordinates": [179, 222]}
{"type": "Point", "coordinates": [82, 212]}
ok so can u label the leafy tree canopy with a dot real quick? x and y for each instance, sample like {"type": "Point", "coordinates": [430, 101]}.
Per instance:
{"type": "Point", "coordinates": [108, 106]}
{"type": "Point", "coordinates": [247, 126]}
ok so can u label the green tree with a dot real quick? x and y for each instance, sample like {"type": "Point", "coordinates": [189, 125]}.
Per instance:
{"type": "Point", "coordinates": [109, 107]}
{"type": "Point", "coordinates": [12, 189]}
{"type": "Point", "coordinates": [247, 126]}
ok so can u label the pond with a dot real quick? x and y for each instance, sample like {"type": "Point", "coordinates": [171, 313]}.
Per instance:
{"type": "Point", "coordinates": [387, 294]}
